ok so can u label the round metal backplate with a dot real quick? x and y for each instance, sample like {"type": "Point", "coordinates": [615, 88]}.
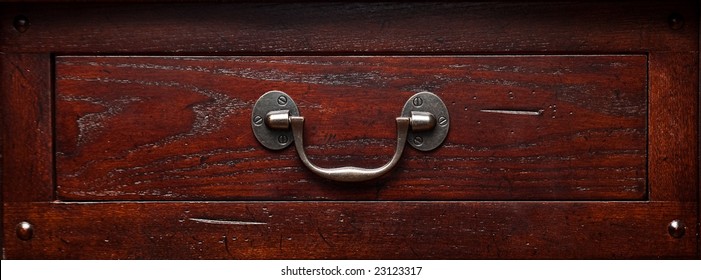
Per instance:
{"type": "Point", "coordinates": [428, 102]}
{"type": "Point", "coordinates": [274, 139]}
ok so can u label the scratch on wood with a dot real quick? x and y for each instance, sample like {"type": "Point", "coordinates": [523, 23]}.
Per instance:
{"type": "Point", "coordinates": [514, 112]}
{"type": "Point", "coordinates": [225, 222]}
{"type": "Point", "coordinates": [414, 252]}
{"type": "Point", "coordinates": [323, 238]}
{"type": "Point", "coordinates": [226, 246]}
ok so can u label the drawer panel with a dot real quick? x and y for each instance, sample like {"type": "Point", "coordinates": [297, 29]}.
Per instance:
{"type": "Point", "coordinates": [555, 127]}
{"type": "Point", "coordinates": [353, 230]}
{"type": "Point", "coordinates": [343, 27]}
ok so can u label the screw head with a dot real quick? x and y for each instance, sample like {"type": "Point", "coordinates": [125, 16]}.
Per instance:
{"type": "Point", "coordinates": [25, 231]}
{"type": "Point", "coordinates": [282, 100]}
{"type": "Point", "coordinates": [418, 140]}
{"type": "Point", "coordinates": [442, 121]}
{"type": "Point", "coordinates": [676, 228]}
{"type": "Point", "coordinates": [21, 23]}
{"type": "Point", "coordinates": [676, 21]}
{"type": "Point", "coordinates": [282, 139]}
{"type": "Point", "coordinates": [418, 101]}
{"type": "Point", "coordinates": [258, 120]}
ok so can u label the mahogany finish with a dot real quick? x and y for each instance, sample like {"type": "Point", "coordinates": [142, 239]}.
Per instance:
{"type": "Point", "coordinates": [27, 128]}
{"type": "Point", "coordinates": [672, 123]}
{"type": "Point", "coordinates": [351, 230]}
{"type": "Point", "coordinates": [352, 27]}
{"type": "Point", "coordinates": [164, 128]}
{"type": "Point", "coordinates": [148, 174]}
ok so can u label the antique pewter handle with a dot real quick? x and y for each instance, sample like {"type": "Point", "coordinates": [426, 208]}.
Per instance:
{"type": "Point", "coordinates": [275, 117]}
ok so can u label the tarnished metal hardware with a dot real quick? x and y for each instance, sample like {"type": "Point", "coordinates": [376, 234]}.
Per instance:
{"type": "Point", "coordinates": [422, 121]}
{"type": "Point", "coordinates": [349, 173]}
{"type": "Point", "coordinates": [425, 137]}
{"type": "Point", "coordinates": [266, 127]}
{"type": "Point", "coordinates": [676, 21]}
{"type": "Point", "coordinates": [24, 231]}
{"type": "Point", "coordinates": [676, 228]}
{"type": "Point", "coordinates": [21, 23]}
{"type": "Point", "coordinates": [278, 119]}
{"type": "Point", "coordinates": [418, 125]}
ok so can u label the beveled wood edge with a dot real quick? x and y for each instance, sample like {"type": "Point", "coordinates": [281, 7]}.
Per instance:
{"type": "Point", "coordinates": [698, 131]}
{"type": "Point", "coordinates": [2, 156]}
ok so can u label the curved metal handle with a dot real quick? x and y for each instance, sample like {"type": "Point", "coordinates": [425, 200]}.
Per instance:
{"type": "Point", "coordinates": [275, 119]}
{"type": "Point", "coordinates": [349, 173]}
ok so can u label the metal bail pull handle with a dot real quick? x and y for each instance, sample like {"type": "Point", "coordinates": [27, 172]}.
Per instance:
{"type": "Point", "coordinates": [349, 173]}
{"type": "Point", "coordinates": [275, 117]}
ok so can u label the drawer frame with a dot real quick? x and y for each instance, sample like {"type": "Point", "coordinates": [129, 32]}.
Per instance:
{"type": "Point", "coordinates": [365, 230]}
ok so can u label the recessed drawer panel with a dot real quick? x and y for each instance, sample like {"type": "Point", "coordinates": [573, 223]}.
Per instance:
{"type": "Point", "coordinates": [522, 127]}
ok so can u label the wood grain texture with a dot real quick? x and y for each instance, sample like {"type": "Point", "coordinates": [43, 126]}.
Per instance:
{"type": "Point", "coordinates": [673, 120]}
{"type": "Point", "coordinates": [333, 230]}
{"type": "Point", "coordinates": [27, 154]}
{"type": "Point", "coordinates": [178, 128]}
{"type": "Point", "coordinates": [198, 147]}
{"type": "Point", "coordinates": [338, 27]}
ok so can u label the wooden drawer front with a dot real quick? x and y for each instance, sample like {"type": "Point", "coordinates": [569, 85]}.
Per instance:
{"type": "Point", "coordinates": [522, 127]}
{"type": "Point", "coordinates": [126, 129]}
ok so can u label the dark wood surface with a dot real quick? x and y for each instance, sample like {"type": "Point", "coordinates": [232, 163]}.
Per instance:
{"type": "Point", "coordinates": [316, 229]}
{"type": "Point", "coordinates": [672, 119]}
{"type": "Point", "coordinates": [355, 230]}
{"type": "Point", "coordinates": [27, 131]}
{"type": "Point", "coordinates": [178, 128]}
{"type": "Point", "coordinates": [338, 27]}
